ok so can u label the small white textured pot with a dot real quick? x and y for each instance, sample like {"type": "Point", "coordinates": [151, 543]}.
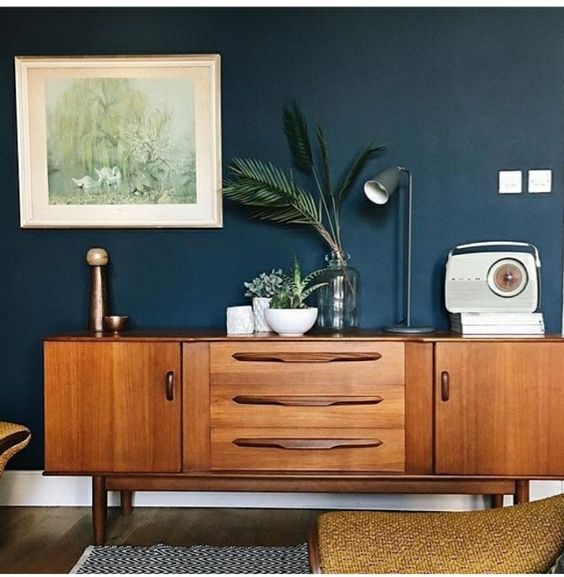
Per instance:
{"type": "Point", "coordinates": [260, 304]}
{"type": "Point", "coordinates": [240, 320]}
{"type": "Point", "coordinates": [291, 322]}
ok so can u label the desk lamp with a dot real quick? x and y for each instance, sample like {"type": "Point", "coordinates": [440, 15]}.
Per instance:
{"type": "Point", "coordinates": [379, 190]}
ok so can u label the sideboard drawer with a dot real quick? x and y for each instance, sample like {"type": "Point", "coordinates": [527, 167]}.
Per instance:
{"type": "Point", "coordinates": [293, 405]}
{"type": "Point", "coordinates": [307, 363]}
{"type": "Point", "coordinates": [346, 450]}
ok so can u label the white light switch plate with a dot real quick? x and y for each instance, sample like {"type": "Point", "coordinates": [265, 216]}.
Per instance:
{"type": "Point", "coordinates": [540, 180]}
{"type": "Point", "coordinates": [510, 182]}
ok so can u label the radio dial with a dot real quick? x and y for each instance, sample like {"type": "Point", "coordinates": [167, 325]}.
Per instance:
{"type": "Point", "coordinates": [507, 277]}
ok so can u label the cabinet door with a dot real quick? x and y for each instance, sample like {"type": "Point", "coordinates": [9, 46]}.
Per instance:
{"type": "Point", "coordinates": [112, 407]}
{"type": "Point", "coordinates": [499, 408]}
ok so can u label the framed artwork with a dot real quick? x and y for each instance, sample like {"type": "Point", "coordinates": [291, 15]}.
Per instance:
{"type": "Point", "coordinates": [119, 141]}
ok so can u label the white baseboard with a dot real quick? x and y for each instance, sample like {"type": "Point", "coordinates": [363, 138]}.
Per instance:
{"type": "Point", "coordinates": [31, 488]}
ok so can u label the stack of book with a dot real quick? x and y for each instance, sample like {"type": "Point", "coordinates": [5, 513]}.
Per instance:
{"type": "Point", "coordinates": [497, 323]}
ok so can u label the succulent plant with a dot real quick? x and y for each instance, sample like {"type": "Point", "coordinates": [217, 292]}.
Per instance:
{"type": "Point", "coordinates": [265, 285]}
{"type": "Point", "coordinates": [294, 290]}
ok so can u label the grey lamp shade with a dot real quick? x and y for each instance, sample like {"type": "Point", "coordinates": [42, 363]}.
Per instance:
{"type": "Point", "coordinates": [383, 185]}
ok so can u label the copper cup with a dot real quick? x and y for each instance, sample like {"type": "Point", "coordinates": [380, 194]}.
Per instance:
{"type": "Point", "coordinates": [115, 323]}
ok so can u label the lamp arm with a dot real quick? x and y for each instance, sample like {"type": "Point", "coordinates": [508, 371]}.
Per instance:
{"type": "Point", "coordinates": [408, 241]}
{"type": "Point", "coordinates": [379, 190]}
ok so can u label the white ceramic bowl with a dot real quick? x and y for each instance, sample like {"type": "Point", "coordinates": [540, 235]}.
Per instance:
{"type": "Point", "coordinates": [291, 322]}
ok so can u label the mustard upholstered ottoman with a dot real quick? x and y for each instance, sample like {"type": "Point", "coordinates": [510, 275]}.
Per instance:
{"type": "Point", "coordinates": [524, 538]}
{"type": "Point", "coordinates": [13, 438]}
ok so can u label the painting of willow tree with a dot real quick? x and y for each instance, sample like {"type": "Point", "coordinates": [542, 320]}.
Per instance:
{"type": "Point", "coordinates": [120, 141]}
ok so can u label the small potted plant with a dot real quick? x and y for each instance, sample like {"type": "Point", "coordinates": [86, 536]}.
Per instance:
{"type": "Point", "coordinates": [262, 289]}
{"type": "Point", "coordinates": [288, 314]}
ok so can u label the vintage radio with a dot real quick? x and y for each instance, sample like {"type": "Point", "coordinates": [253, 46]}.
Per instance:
{"type": "Point", "coordinates": [492, 276]}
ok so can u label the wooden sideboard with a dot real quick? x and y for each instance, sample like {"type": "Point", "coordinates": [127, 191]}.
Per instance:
{"type": "Point", "coordinates": [364, 412]}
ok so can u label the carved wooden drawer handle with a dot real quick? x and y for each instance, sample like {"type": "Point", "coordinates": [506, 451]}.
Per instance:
{"type": "Point", "coordinates": [305, 357]}
{"type": "Point", "coordinates": [170, 385]}
{"type": "Point", "coordinates": [308, 444]}
{"type": "Point", "coordinates": [306, 401]}
{"type": "Point", "coordinates": [445, 386]}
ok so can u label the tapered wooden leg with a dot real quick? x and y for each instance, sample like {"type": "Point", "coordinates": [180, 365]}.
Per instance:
{"type": "Point", "coordinates": [126, 501]}
{"type": "Point", "coordinates": [521, 492]}
{"type": "Point", "coordinates": [496, 501]}
{"type": "Point", "coordinates": [99, 509]}
{"type": "Point", "coordinates": [313, 550]}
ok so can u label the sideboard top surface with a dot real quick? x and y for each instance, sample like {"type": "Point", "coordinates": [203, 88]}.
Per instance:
{"type": "Point", "coordinates": [187, 335]}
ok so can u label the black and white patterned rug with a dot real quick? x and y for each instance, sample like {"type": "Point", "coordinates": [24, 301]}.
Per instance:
{"type": "Point", "coordinates": [197, 559]}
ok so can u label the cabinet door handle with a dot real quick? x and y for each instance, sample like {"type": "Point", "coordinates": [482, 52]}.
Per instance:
{"type": "Point", "coordinates": [306, 401]}
{"type": "Point", "coordinates": [170, 385]}
{"type": "Point", "coordinates": [305, 357]}
{"type": "Point", "coordinates": [308, 444]}
{"type": "Point", "coordinates": [445, 386]}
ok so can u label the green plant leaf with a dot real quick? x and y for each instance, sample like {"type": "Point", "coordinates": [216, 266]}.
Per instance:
{"type": "Point", "coordinates": [281, 299]}
{"type": "Point", "coordinates": [289, 216]}
{"type": "Point", "coordinates": [355, 169]}
{"type": "Point", "coordinates": [295, 128]}
{"type": "Point", "coordinates": [313, 275]}
{"type": "Point", "coordinates": [297, 273]}
{"type": "Point", "coordinates": [271, 192]}
{"type": "Point", "coordinates": [313, 288]}
{"type": "Point", "coordinates": [326, 183]}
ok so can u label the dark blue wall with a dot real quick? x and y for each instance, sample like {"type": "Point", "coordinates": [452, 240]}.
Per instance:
{"type": "Point", "coordinates": [456, 94]}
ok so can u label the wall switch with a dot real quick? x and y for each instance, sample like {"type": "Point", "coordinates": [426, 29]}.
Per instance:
{"type": "Point", "coordinates": [510, 182]}
{"type": "Point", "coordinates": [540, 180]}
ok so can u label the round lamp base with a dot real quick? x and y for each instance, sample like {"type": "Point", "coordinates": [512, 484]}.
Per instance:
{"type": "Point", "coordinates": [408, 330]}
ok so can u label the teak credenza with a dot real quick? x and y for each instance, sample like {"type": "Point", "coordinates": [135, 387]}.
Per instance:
{"type": "Point", "coordinates": [364, 412]}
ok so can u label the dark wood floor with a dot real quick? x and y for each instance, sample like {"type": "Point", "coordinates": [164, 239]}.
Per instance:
{"type": "Point", "coordinates": [51, 539]}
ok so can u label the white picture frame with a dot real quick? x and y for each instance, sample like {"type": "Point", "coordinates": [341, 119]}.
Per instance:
{"type": "Point", "coordinates": [119, 141]}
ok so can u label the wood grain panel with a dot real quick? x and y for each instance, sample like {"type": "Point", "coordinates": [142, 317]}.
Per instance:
{"type": "Point", "coordinates": [386, 456]}
{"type": "Point", "coordinates": [330, 363]}
{"type": "Point", "coordinates": [362, 410]}
{"type": "Point", "coordinates": [505, 407]}
{"type": "Point", "coordinates": [196, 409]}
{"type": "Point", "coordinates": [419, 408]}
{"type": "Point", "coordinates": [106, 407]}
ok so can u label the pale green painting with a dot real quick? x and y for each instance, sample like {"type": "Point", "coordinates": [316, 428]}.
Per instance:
{"type": "Point", "coordinates": [121, 141]}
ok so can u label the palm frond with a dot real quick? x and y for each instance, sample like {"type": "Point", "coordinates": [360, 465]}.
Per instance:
{"type": "Point", "coordinates": [271, 192]}
{"type": "Point", "coordinates": [324, 159]}
{"type": "Point", "coordinates": [295, 128]}
{"type": "Point", "coordinates": [355, 169]}
{"type": "Point", "coordinates": [283, 216]}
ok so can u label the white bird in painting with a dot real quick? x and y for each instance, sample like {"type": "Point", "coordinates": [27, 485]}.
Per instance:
{"type": "Point", "coordinates": [110, 175]}
{"type": "Point", "coordinates": [87, 182]}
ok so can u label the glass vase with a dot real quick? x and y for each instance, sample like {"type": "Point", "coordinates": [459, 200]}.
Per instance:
{"type": "Point", "coordinates": [338, 302]}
